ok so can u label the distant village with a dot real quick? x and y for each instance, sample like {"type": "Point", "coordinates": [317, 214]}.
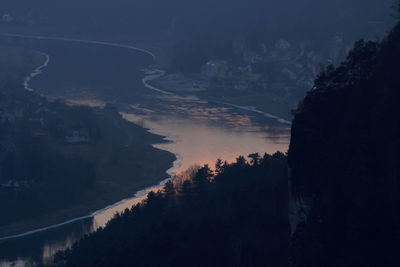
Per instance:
{"type": "Point", "coordinates": [16, 19]}
{"type": "Point", "coordinates": [280, 67]}
{"type": "Point", "coordinates": [281, 71]}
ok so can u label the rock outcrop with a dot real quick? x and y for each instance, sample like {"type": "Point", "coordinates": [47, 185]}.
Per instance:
{"type": "Point", "coordinates": [344, 159]}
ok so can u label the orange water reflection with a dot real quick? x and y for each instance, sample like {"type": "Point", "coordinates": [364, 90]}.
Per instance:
{"type": "Point", "coordinates": [203, 144]}
{"type": "Point", "coordinates": [196, 143]}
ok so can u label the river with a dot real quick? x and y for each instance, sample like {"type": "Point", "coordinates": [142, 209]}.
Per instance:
{"type": "Point", "coordinates": [198, 131]}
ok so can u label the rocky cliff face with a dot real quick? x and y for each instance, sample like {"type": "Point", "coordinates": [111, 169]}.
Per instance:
{"type": "Point", "coordinates": [345, 161]}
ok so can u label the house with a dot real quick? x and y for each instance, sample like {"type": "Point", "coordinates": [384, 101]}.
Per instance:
{"type": "Point", "coordinates": [38, 127]}
{"type": "Point", "coordinates": [216, 69]}
{"type": "Point", "coordinates": [283, 45]}
{"type": "Point", "coordinates": [15, 184]}
{"type": "Point", "coordinates": [6, 117]}
{"type": "Point", "coordinates": [293, 71]}
{"type": "Point", "coordinates": [7, 18]}
{"type": "Point", "coordinates": [10, 184]}
{"type": "Point", "coordinates": [251, 57]}
{"type": "Point", "coordinates": [77, 136]}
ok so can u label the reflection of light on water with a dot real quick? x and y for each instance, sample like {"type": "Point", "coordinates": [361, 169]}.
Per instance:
{"type": "Point", "coordinates": [50, 249]}
{"type": "Point", "coordinates": [197, 143]}
{"type": "Point", "coordinates": [86, 102]}
{"type": "Point", "coordinates": [200, 143]}
{"type": "Point", "coordinates": [201, 138]}
{"type": "Point", "coordinates": [101, 219]}
{"type": "Point", "coordinates": [206, 133]}
{"type": "Point", "coordinates": [83, 99]}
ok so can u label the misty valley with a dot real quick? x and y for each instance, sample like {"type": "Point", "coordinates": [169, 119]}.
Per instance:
{"type": "Point", "coordinates": [199, 133]}
{"type": "Point", "coordinates": [122, 139]}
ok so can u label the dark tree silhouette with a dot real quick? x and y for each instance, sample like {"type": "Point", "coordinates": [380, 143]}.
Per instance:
{"type": "Point", "coordinates": [237, 217]}
{"type": "Point", "coordinates": [344, 161]}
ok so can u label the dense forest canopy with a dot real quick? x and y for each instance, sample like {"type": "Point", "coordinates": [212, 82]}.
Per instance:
{"type": "Point", "coordinates": [344, 161]}
{"type": "Point", "coordinates": [236, 216]}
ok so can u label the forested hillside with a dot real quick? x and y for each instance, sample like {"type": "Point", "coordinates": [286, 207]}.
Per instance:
{"type": "Point", "coordinates": [236, 216]}
{"type": "Point", "coordinates": [345, 162]}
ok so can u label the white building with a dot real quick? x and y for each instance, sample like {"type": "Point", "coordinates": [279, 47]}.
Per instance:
{"type": "Point", "coordinates": [77, 137]}
{"type": "Point", "coordinates": [7, 18]}
{"type": "Point", "coordinates": [216, 69]}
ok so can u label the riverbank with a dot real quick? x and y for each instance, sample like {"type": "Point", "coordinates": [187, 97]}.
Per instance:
{"type": "Point", "coordinates": [182, 85]}
{"type": "Point", "coordinates": [125, 162]}
{"type": "Point", "coordinates": [103, 156]}
{"type": "Point", "coordinates": [122, 155]}
{"type": "Point", "coordinates": [186, 84]}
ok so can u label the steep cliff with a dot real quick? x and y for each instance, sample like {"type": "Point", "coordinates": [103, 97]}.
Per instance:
{"type": "Point", "coordinates": [345, 161]}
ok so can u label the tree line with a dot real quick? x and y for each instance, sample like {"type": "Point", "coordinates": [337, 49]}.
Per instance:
{"type": "Point", "coordinates": [235, 215]}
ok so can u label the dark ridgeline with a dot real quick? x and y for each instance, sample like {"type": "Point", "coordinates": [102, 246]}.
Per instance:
{"type": "Point", "coordinates": [237, 218]}
{"type": "Point", "coordinates": [345, 162]}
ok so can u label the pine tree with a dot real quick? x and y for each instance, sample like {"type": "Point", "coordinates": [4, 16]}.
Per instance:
{"type": "Point", "coordinates": [254, 159]}
{"type": "Point", "coordinates": [219, 166]}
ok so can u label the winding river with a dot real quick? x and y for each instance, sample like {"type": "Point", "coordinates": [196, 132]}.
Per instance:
{"type": "Point", "coordinates": [97, 73]}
